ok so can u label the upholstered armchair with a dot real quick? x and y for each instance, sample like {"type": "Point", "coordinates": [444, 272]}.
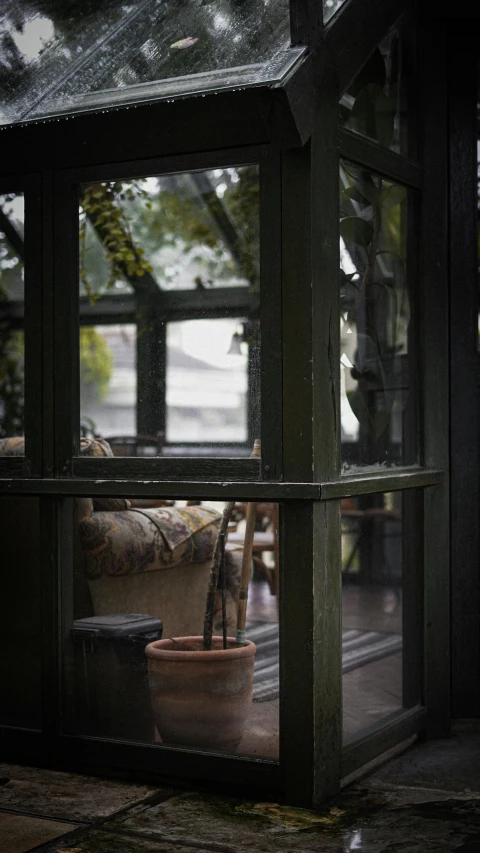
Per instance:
{"type": "Point", "coordinates": [139, 559]}
{"type": "Point", "coordinates": [153, 561]}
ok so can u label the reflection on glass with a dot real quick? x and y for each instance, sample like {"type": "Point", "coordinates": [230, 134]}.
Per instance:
{"type": "Point", "coordinates": [57, 56]}
{"type": "Point", "coordinates": [20, 616]}
{"type": "Point", "coordinates": [377, 610]}
{"type": "Point", "coordinates": [169, 298]}
{"type": "Point", "coordinates": [375, 104]}
{"type": "Point", "coordinates": [330, 7]}
{"type": "Point", "coordinates": [377, 401]}
{"type": "Point", "coordinates": [12, 299]}
{"type": "Point", "coordinates": [153, 559]}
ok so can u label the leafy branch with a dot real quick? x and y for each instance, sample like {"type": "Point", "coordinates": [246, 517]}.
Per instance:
{"type": "Point", "coordinates": [102, 207]}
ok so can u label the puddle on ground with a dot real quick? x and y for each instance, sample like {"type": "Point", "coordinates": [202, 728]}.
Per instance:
{"type": "Point", "coordinates": [372, 823]}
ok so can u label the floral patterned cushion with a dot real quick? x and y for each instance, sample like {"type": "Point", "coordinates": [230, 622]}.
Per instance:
{"type": "Point", "coordinates": [88, 447]}
{"type": "Point", "coordinates": [143, 540]}
{"type": "Point", "coordinates": [95, 447]}
{"type": "Point", "coordinates": [12, 447]}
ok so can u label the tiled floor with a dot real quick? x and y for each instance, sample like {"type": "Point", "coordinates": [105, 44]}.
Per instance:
{"type": "Point", "coordinates": [19, 832]}
{"type": "Point", "coordinates": [425, 801]}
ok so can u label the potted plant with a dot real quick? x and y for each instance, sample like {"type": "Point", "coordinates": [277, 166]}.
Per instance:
{"type": "Point", "coordinates": [201, 687]}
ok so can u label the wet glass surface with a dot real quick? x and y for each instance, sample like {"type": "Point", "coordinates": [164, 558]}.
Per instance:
{"type": "Point", "coordinates": [378, 414]}
{"type": "Point", "coordinates": [330, 7]}
{"type": "Point", "coordinates": [54, 54]}
{"type": "Point", "coordinates": [169, 300]}
{"type": "Point", "coordinates": [12, 301]}
{"type": "Point", "coordinates": [375, 103]}
{"type": "Point", "coordinates": [20, 616]}
{"type": "Point", "coordinates": [380, 609]}
{"type": "Point", "coordinates": [141, 571]}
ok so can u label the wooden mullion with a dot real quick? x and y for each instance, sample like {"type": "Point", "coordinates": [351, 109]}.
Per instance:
{"type": "Point", "coordinates": [66, 325]}
{"type": "Point", "coordinates": [388, 481]}
{"type": "Point", "coordinates": [32, 328]}
{"type": "Point", "coordinates": [365, 152]}
{"type": "Point", "coordinates": [325, 283]}
{"type": "Point", "coordinates": [271, 316]}
{"type": "Point", "coordinates": [297, 316]}
{"type": "Point", "coordinates": [412, 598]}
{"type": "Point", "coordinates": [166, 165]}
{"type": "Point", "coordinates": [353, 35]}
{"type": "Point", "coordinates": [12, 466]}
{"type": "Point", "coordinates": [250, 489]}
{"type": "Point", "coordinates": [433, 374]}
{"type": "Point", "coordinates": [151, 367]}
{"type": "Point", "coordinates": [168, 467]}
{"type": "Point", "coordinates": [48, 335]}
{"type": "Point", "coordinates": [327, 604]}
{"type": "Point", "coordinates": [327, 584]}
{"type": "Point", "coordinates": [306, 22]}
{"type": "Point", "coordinates": [464, 369]}
{"type": "Point", "coordinates": [297, 709]}
{"type": "Point", "coordinates": [50, 537]}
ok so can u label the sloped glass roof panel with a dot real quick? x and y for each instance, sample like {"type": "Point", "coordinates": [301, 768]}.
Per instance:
{"type": "Point", "coordinates": [69, 55]}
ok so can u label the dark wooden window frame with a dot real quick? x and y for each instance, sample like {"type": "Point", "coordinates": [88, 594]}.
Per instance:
{"type": "Point", "coordinates": [66, 199]}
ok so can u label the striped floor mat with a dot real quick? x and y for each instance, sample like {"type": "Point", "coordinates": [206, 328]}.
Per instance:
{"type": "Point", "coordinates": [358, 649]}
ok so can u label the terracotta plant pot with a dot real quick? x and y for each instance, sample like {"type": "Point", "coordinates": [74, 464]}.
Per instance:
{"type": "Point", "coordinates": [200, 698]}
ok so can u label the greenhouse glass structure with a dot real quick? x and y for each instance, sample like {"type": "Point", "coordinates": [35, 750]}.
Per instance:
{"type": "Point", "coordinates": [238, 355]}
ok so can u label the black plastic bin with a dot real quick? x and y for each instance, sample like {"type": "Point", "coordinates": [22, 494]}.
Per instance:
{"type": "Point", "coordinates": [111, 697]}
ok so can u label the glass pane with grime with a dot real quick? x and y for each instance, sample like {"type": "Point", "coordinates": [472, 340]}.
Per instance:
{"type": "Point", "coordinates": [65, 57]}
{"type": "Point", "coordinates": [375, 104]}
{"type": "Point", "coordinates": [381, 608]}
{"type": "Point", "coordinates": [140, 573]}
{"type": "Point", "coordinates": [12, 315]}
{"type": "Point", "coordinates": [377, 363]}
{"type": "Point", "coordinates": [169, 313]}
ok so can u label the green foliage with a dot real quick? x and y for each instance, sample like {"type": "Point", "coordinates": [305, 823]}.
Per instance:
{"type": "Point", "coordinates": [95, 362]}
{"type": "Point", "coordinates": [12, 383]}
{"type": "Point", "coordinates": [374, 297]}
{"type": "Point", "coordinates": [102, 206]}
{"type": "Point", "coordinates": [244, 205]}
{"type": "Point", "coordinates": [210, 220]}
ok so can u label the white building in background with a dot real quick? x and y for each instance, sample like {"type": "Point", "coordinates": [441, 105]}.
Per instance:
{"type": "Point", "coordinates": [206, 398]}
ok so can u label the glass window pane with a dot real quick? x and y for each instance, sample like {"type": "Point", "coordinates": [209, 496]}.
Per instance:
{"type": "Point", "coordinates": [20, 613]}
{"type": "Point", "coordinates": [152, 559]}
{"type": "Point", "coordinates": [330, 7]}
{"type": "Point", "coordinates": [169, 302]}
{"type": "Point", "coordinates": [375, 103]}
{"type": "Point", "coordinates": [207, 383]}
{"type": "Point", "coordinates": [377, 369]}
{"type": "Point", "coordinates": [12, 300]}
{"type": "Point", "coordinates": [61, 56]}
{"type": "Point", "coordinates": [381, 608]}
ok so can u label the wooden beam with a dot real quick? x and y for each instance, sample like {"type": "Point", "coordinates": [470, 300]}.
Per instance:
{"type": "Point", "coordinates": [355, 33]}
